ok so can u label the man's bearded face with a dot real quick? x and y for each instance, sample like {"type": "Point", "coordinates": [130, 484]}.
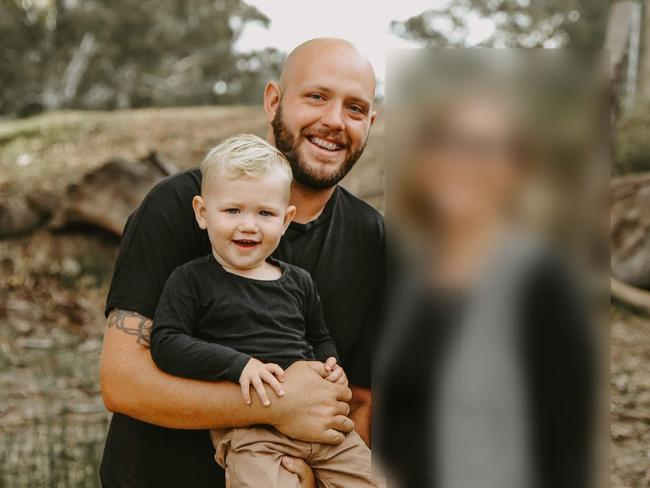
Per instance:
{"type": "Point", "coordinates": [320, 156]}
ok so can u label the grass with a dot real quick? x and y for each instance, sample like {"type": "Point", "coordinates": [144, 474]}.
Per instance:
{"type": "Point", "coordinates": [50, 151]}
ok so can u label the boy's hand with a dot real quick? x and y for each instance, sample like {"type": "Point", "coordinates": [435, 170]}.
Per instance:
{"type": "Point", "coordinates": [258, 373]}
{"type": "Point", "coordinates": [335, 372]}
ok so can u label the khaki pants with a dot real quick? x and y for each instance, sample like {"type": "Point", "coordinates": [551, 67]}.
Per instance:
{"type": "Point", "coordinates": [251, 457]}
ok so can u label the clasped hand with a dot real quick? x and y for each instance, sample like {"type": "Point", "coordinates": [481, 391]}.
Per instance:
{"type": "Point", "coordinates": [256, 373]}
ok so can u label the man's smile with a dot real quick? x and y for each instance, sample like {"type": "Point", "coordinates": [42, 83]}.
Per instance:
{"type": "Point", "coordinates": [325, 144]}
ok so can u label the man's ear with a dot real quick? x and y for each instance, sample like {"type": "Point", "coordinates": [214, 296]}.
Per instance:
{"type": "Point", "coordinates": [198, 204]}
{"type": "Point", "coordinates": [373, 117]}
{"type": "Point", "coordinates": [272, 97]}
{"type": "Point", "coordinates": [288, 217]}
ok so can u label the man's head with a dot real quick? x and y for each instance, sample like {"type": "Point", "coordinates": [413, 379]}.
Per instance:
{"type": "Point", "coordinates": [321, 110]}
{"type": "Point", "coordinates": [244, 201]}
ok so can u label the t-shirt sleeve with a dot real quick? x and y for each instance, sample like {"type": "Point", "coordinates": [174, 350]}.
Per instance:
{"type": "Point", "coordinates": [174, 348]}
{"type": "Point", "coordinates": [316, 331]}
{"type": "Point", "coordinates": [159, 236]}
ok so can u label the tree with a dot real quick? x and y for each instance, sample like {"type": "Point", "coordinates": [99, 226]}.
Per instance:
{"type": "Point", "coordinates": [126, 53]}
{"type": "Point", "coordinates": [514, 23]}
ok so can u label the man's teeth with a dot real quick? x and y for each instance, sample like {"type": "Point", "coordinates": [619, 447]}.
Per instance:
{"type": "Point", "coordinates": [330, 146]}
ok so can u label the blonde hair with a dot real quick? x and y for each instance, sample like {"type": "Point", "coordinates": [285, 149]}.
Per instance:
{"type": "Point", "coordinates": [245, 155]}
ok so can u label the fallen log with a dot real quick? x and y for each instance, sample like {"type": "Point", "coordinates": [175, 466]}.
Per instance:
{"type": "Point", "coordinates": [630, 295]}
{"type": "Point", "coordinates": [106, 196]}
{"type": "Point", "coordinates": [17, 218]}
{"type": "Point", "coordinates": [630, 230]}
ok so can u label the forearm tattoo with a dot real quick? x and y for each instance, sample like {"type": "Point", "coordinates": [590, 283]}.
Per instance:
{"type": "Point", "coordinates": [141, 329]}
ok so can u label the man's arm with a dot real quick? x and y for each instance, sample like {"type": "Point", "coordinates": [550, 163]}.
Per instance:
{"type": "Point", "coordinates": [361, 412]}
{"type": "Point", "coordinates": [312, 408]}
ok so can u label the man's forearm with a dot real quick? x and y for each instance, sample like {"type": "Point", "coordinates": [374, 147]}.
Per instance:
{"type": "Point", "coordinates": [312, 408]}
{"type": "Point", "coordinates": [361, 412]}
{"type": "Point", "coordinates": [133, 385]}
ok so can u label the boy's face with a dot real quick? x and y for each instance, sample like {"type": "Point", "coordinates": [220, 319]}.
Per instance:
{"type": "Point", "coordinates": [245, 217]}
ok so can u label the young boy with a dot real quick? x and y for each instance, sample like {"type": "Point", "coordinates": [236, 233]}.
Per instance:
{"type": "Point", "coordinates": [240, 315]}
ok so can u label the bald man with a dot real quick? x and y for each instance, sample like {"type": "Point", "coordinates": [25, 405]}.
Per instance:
{"type": "Point", "coordinates": [319, 113]}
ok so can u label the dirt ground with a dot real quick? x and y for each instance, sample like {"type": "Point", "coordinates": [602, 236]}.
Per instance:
{"type": "Point", "coordinates": [630, 399]}
{"type": "Point", "coordinates": [53, 285]}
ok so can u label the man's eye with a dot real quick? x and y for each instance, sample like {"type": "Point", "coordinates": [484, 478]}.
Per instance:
{"type": "Point", "coordinates": [315, 96]}
{"type": "Point", "coordinates": [357, 109]}
{"type": "Point", "coordinates": [266, 213]}
{"type": "Point", "coordinates": [232, 210]}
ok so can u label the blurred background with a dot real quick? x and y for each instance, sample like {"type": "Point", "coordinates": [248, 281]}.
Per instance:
{"type": "Point", "coordinates": [101, 99]}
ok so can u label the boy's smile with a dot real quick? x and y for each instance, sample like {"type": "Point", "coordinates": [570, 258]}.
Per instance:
{"type": "Point", "coordinates": [245, 243]}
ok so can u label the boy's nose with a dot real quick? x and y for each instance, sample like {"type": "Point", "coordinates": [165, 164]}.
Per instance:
{"type": "Point", "coordinates": [248, 224]}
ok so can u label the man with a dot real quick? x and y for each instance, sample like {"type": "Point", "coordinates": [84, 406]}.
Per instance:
{"type": "Point", "coordinates": [320, 114]}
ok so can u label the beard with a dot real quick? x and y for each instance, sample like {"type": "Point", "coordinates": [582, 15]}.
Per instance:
{"type": "Point", "coordinates": [302, 173]}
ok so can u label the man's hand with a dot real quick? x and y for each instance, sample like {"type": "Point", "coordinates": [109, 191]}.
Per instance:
{"type": "Point", "coordinates": [257, 373]}
{"type": "Point", "coordinates": [335, 372]}
{"type": "Point", "coordinates": [313, 409]}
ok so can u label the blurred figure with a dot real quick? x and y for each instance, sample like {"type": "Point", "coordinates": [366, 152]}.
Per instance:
{"type": "Point", "coordinates": [486, 376]}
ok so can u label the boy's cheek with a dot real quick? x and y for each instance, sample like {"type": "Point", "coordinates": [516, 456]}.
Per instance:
{"type": "Point", "coordinates": [218, 227]}
{"type": "Point", "coordinates": [275, 233]}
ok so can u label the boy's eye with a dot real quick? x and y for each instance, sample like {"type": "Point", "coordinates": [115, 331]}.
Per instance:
{"type": "Point", "coordinates": [266, 213]}
{"type": "Point", "coordinates": [232, 210]}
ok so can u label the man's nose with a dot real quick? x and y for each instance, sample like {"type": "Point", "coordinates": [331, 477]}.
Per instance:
{"type": "Point", "coordinates": [333, 116]}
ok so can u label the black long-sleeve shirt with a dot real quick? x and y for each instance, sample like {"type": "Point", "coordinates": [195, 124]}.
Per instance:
{"type": "Point", "coordinates": [209, 322]}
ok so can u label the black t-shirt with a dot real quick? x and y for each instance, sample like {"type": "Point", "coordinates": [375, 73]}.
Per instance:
{"type": "Point", "coordinates": [557, 354]}
{"type": "Point", "coordinates": [209, 322]}
{"type": "Point", "coordinates": [343, 250]}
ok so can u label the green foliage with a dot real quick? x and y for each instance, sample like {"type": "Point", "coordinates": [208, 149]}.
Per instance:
{"type": "Point", "coordinates": [104, 54]}
{"type": "Point", "coordinates": [517, 23]}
